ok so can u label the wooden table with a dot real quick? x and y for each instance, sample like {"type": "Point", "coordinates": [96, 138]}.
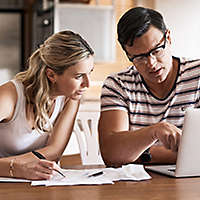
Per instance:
{"type": "Point", "coordinates": [158, 188]}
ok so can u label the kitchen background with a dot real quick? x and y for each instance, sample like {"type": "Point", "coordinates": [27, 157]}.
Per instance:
{"type": "Point", "coordinates": [25, 24]}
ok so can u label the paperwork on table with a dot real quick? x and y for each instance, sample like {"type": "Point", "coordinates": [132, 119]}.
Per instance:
{"type": "Point", "coordinates": [129, 172]}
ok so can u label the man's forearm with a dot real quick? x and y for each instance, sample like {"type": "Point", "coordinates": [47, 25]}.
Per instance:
{"type": "Point", "coordinates": [162, 155]}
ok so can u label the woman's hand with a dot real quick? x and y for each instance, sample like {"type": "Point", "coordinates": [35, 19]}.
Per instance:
{"type": "Point", "coordinates": [36, 170]}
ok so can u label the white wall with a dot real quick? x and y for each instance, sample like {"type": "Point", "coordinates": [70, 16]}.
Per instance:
{"type": "Point", "coordinates": [183, 19]}
{"type": "Point", "coordinates": [95, 23]}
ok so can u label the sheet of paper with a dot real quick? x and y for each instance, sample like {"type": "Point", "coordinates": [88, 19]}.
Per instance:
{"type": "Point", "coordinates": [129, 172]}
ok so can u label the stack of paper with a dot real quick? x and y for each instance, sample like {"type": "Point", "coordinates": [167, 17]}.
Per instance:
{"type": "Point", "coordinates": [106, 176]}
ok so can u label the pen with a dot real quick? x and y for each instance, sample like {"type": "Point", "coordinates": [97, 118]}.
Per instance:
{"type": "Point", "coordinates": [40, 156]}
{"type": "Point", "coordinates": [96, 174]}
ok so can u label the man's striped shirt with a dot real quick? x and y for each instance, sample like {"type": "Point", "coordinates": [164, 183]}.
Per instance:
{"type": "Point", "coordinates": [127, 91]}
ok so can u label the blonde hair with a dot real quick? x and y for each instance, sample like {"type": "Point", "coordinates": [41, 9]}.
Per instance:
{"type": "Point", "coordinates": [58, 52]}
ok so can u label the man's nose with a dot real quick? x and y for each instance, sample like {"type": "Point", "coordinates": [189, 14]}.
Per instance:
{"type": "Point", "coordinates": [151, 60]}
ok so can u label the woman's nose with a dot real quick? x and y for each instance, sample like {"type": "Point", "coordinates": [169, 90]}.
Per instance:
{"type": "Point", "coordinates": [86, 81]}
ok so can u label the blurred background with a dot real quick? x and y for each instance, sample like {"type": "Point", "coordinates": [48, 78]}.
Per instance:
{"type": "Point", "coordinates": [25, 24]}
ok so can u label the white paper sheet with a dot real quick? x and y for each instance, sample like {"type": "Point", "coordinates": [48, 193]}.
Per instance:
{"type": "Point", "coordinates": [129, 172]}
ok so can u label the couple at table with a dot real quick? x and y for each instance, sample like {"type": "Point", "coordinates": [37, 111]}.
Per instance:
{"type": "Point", "coordinates": [141, 107]}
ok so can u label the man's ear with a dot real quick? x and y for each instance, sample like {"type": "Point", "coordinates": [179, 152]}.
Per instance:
{"type": "Point", "coordinates": [51, 75]}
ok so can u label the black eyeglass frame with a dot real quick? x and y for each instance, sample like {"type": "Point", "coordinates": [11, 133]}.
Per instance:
{"type": "Point", "coordinates": [149, 53]}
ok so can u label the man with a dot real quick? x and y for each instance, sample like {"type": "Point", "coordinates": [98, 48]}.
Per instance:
{"type": "Point", "coordinates": [143, 106]}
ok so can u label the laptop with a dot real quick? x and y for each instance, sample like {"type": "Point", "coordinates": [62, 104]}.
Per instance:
{"type": "Point", "coordinates": [188, 157]}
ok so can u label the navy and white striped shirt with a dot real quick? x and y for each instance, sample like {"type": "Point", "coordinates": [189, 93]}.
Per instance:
{"type": "Point", "coordinates": [127, 91]}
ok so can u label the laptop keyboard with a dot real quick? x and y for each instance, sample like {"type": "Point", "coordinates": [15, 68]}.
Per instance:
{"type": "Point", "coordinates": [172, 169]}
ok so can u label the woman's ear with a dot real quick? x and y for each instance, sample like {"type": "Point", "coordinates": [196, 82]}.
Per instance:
{"type": "Point", "coordinates": [168, 36]}
{"type": "Point", "coordinates": [51, 75]}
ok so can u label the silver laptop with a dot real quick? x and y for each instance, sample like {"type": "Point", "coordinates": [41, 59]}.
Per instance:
{"type": "Point", "coordinates": [188, 158]}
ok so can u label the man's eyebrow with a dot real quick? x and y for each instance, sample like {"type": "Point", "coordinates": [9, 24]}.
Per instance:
{"type": "Point", "coordinates": [157, 45]}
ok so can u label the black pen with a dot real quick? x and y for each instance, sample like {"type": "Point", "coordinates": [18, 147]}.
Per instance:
{"type": "Point", "coordinates": [40, 156]}
{"type": "Point", "coordinates": [96, 174]}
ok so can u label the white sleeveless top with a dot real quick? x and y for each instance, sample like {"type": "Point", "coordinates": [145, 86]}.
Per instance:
{"type": "Point", "coordinates": [16, 136]}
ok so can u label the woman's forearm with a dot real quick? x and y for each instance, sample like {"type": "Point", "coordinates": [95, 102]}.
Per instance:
{"type": "Point", "coordinates": [62, 131]}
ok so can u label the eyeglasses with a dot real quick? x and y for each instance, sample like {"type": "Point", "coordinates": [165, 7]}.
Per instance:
{"type": "Point", "coordinates": [157, 52]}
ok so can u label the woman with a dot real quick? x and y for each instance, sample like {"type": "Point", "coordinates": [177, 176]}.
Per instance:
{"type": "Point", "coordinates": [38, 107]}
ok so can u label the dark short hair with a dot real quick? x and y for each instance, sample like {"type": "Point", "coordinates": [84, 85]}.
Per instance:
{"type": "Point", "coordinates": [135, 22]}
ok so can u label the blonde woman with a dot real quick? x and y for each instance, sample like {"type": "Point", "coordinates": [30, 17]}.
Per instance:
{"type": "Point", "coordinates": [38, 107]}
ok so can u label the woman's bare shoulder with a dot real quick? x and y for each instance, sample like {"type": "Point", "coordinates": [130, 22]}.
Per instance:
{"type": "Point", "coordinates": [8, 90]}
{"type": "Point", "coordinates": [8, 99]}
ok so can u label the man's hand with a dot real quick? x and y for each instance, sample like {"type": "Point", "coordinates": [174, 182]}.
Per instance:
{"type": "Point", "coordinates": [168, 134]}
